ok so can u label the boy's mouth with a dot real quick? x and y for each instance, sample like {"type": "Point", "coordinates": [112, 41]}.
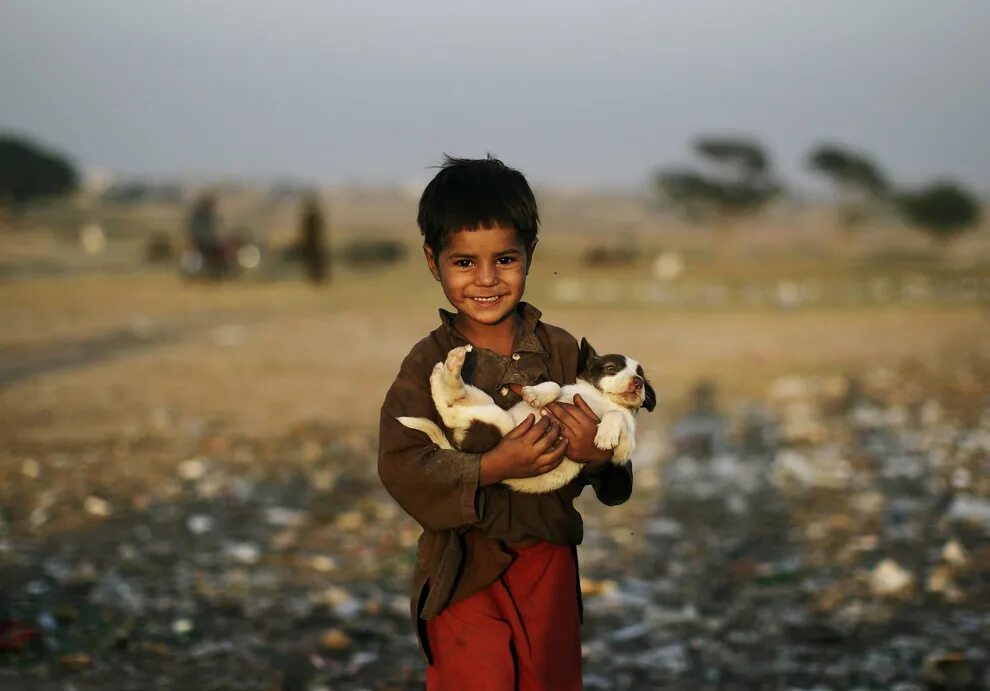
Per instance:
{"type": "Point", "coordinates": [488, 300]}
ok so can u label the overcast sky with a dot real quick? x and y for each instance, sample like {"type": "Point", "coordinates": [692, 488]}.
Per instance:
{"type": "Point", "coordinates": [573, 92]}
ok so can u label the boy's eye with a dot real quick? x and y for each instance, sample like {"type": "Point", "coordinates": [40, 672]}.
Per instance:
{"type": "Point", "coordinates": [506, 260]}
{"type": "Point", "coordinates": [463, 263]}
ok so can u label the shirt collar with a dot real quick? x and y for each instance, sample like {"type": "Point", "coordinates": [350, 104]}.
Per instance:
{"type": "Point", "coordinates": [526, 340]}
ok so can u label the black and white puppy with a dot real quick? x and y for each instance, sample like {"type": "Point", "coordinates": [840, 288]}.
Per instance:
{"type": "Point", "coordinates": [613, 386]}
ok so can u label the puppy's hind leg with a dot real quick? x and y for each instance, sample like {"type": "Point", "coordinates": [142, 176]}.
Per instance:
{"type": "Point", "coordinates": [448, 386]}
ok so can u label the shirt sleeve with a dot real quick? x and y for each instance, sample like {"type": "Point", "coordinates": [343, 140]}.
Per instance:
{"type": "Point", "coordinates": [612, 483]}
{"type": "Point", "coordinates": [437, 487]}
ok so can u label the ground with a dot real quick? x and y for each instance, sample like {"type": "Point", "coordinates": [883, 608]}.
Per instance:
{"type": "Point", "coordinates": [189, 497]}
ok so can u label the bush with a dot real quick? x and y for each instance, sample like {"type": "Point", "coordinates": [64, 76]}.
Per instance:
{"type": "Point", "coordinates": [943, 210]}
{"type": "Point", "coordinates": [29, 172]}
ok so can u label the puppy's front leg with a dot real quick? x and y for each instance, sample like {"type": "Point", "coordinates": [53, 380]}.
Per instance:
{"type": "Point", "coordinates": [539, 396]}
{"type": "Point", "coordinates": [609, 430]}
{"type": "Point", "coordinates": [623, 450]}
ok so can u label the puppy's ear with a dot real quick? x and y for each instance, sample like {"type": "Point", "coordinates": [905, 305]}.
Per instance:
{"type": "Point", "coordinates": [585, 355]}
{"type": "Point", "coordinates": [650, 399]}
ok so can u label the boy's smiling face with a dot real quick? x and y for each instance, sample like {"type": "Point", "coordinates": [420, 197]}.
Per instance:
{"type": "Point", "coordinates": [483, 275]}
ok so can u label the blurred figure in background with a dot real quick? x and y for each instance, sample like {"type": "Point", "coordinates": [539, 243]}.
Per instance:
{"type": "Point", "coordinates": [203, 236]}
{"type": "Point", "coordinates": [312, 240]}
{"type": "Point", "coordinates": [703, 433]}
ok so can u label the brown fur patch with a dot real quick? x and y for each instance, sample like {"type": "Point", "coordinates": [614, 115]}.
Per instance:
{"type": "Point", "coordinates": [480, 437]}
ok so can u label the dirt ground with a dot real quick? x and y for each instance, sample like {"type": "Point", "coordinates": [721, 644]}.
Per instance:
{"type": "Point", "coordinates": [188, 468]}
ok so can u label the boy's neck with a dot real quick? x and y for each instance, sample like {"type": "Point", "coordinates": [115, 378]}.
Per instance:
{"type": "Point", "coordinates": [499, 338]}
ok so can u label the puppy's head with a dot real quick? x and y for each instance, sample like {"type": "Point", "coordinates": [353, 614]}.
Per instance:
{"type": "Point", "coordinates": [618, 377]}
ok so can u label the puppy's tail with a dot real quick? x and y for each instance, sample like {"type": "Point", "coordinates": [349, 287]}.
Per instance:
{"type": "Point", "coordinates": [427, 427]}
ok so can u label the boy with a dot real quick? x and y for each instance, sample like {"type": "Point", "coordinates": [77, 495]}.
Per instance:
{"type": "Point", "coordinates": [496, 597]}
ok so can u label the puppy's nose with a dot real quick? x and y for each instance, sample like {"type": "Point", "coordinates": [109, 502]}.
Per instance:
{"type": "Point", "coordinates": [638, 383]}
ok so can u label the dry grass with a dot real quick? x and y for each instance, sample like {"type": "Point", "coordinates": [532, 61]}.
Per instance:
{"type": "Point", "coordinates": [128, 351]}
{"type": "Point", "coordinates": [259, 358]}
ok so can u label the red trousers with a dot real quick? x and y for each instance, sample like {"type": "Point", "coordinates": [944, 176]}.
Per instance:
{"type": "Point", "coordinates": [520, 633]}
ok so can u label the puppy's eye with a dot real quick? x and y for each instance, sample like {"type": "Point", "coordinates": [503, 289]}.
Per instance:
{"type": "Point", "coordinates": [610, 369]}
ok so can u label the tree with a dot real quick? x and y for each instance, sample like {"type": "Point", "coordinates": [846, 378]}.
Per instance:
{"type": "Point", "coordinates": [943, 209]}
{"type": "Point", "coordinates": [863, 189]}
{"type": "Point", "coordinates": [741, 182]}
{"type": "Point", "coordinates": [27, 171]}
{"type": "Point", "coordinates": [849, 170]}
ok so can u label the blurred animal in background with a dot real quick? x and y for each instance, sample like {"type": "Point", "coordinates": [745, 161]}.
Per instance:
{"type": "Point", "coordinates": [210, 255]}
{"type": "Point", "coordinates": [614, 386]}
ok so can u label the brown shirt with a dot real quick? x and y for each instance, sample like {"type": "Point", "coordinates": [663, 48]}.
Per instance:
{"type": "Point", "coordinates": [466, 527]}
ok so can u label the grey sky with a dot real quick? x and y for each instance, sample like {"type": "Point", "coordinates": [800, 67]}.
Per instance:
{"type": "Point", "coordinates": [573, 93]}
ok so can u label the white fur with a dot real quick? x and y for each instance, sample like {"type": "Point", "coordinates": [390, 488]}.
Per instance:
{"type": "Point", "coordinates": [461, 404]}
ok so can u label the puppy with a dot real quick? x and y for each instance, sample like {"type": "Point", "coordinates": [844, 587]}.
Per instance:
{"type": "Point", "coordinates": [612, 385]}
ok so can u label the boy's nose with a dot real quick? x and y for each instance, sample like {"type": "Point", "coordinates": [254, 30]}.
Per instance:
{"type": "Point", "coordinates": [487, 276]}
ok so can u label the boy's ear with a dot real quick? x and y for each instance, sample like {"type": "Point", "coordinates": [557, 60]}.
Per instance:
{"type": "Point", "coordinates": [585, 355]}
{"type": "Point", "coordinates": [431, 261]}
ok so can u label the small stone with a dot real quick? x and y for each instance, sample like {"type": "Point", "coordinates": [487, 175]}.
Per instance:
{"type": "Point", "coordinates": [335, 639]}
{"type": "Point", "coordinates": [31, 469]}
{"type": "Point", "coordinates": [244, 552]}
{"type": "Point", "coordinates": [200, 524]}
{"type": "Point", "coordinates": [96, 506]}
{"type": "Point", "coordinates": [75, 660]}
{"type": "Point", "coordinates": [192, 469]}
{"type": "Point", "coordinates": [954, 554]}
{"type": "Point", "coordinates": [181, 627]}
{"type": "Point", "coordinates": [889, 579]}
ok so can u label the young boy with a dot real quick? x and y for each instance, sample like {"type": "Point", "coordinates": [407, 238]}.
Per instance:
{"type": "Point", "coordinates": [496, 597]}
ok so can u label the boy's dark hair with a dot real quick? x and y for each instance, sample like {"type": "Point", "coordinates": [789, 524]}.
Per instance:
{"type": "Point", "coordinates": [471, 193]}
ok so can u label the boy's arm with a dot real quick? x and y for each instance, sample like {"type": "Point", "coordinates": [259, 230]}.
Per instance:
{"type": "Point", "coordinates": [437, 487]}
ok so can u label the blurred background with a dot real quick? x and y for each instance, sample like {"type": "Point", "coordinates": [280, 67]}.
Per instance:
{"type": "Point", "coordinates": [210, 271]}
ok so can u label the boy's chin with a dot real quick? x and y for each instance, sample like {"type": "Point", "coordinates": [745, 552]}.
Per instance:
{"type": "Point", "coordinates": [489, 316]}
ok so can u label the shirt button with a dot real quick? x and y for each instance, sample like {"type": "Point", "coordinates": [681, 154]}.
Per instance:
{"type": "Point", "coordinates": [516, 356]}
{"type": "Point", "coordinates": [504, 391]}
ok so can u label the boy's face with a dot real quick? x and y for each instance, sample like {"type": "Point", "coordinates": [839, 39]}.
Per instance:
{"type": "Point", "coordinates": [482, 272]}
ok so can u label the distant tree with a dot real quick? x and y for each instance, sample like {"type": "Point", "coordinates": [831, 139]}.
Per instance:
{"type": "Point", "coordinates": [741, 182]}
{"type": "Point", "coordinates": [28, 171]}
{"type": "Point", "coordinates": [745, 156]}
{"type": "Point", "coordinates": [862, 187]}
{"type": "Point", "coordinates": [943, 209]}
{"type": "Point", "coordinates": [849, 170]}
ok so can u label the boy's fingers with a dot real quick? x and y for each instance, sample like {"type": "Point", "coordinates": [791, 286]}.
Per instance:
{"type": "Point", "coordinates": [538, 429]}
{"type": "Point", "coordinates": [553, 456]}
{"type": "Point", "coordinates": [585, 408]}
{"type": "Point", "coordinates": [562, 411]}
{"type": "Point", "coordinates": [523, 427]}
{"type": "Point", "coordinates": [551, 435]}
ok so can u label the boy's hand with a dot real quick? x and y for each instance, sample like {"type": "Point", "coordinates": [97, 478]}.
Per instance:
{"type": "Point", "coordinates": [531, 449]}
{"type": "Point", "coordinates": [579, 425]}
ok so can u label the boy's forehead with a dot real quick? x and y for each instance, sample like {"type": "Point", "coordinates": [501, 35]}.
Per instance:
{"type": "Point", "coordinates": [469, 240]}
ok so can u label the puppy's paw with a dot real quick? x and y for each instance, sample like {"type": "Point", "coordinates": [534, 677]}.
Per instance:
{"type": "Point", "coordinates": [540, 395]}
{"type": "Point", "coordinates": [455, 360]}
{"type": "Point", "coordinates": [608, 435]}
